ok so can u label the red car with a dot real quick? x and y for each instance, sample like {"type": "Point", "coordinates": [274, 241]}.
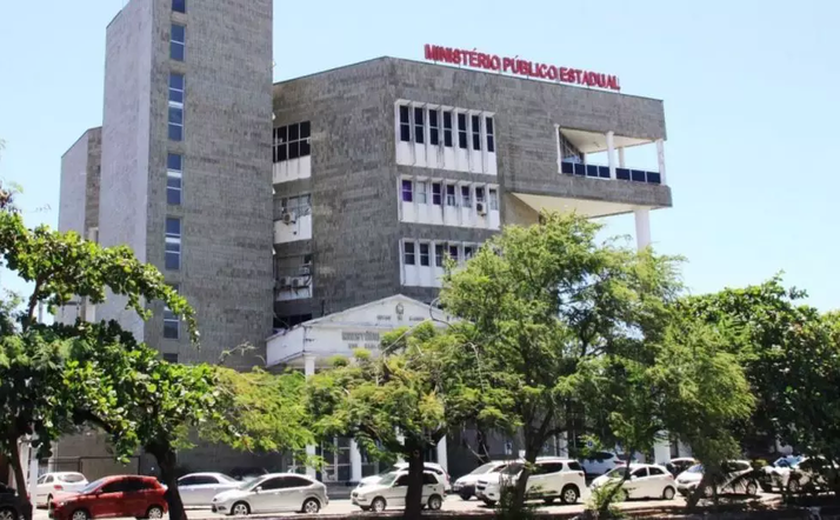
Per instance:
{"type": "Point", "coordinates": [119, 496]}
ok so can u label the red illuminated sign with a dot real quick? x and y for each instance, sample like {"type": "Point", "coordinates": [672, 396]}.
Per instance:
{"type": "Point", "coordinates": [495, 63]}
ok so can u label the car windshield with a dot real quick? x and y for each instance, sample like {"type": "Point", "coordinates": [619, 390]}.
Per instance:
{"type": "Point", "coordinates": [90, 488]}
{"type": "Point", "coordinates": [72, 478]}
{"type": "Point", "coordinates": [618, 472]}
{"type": "Point", "coordinates": [389, 479]}
{"type": "Point", "coordinates": [249, 483]}
{"type": "Point", "coordinates": [484, 468]}
{"type": "Point", "coordinates": [513, 469]}
{"type": "Point", "coordinates": [227, 479]}
{"type": "Point", "coordinates": [697, 468]}
{"type": "Point", "coordinates": [786, 462]}
{"type": "Point", "coordinates": [389, 469]}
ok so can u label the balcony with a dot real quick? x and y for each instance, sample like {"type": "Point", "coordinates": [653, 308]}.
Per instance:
{"type": "Point", "coordinates": [603, 172]}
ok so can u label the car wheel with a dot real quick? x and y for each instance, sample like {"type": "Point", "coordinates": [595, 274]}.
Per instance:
{"type": "Point", "coordinates": [311, 506]}
{"type": "Point", "coordinates": [707, 492]}
{"type": "Point", "coordinates": [752, 488]}
{"type": "Point", "coordinates": [238, 509]}
{"type": "Point", "coordinates": [490, 503]}
{"type": "Point", "coordinates": [794, 486]}
{"type": "Point", "coordinates": [668, 493]}
{"type": "Point", "coordinates": [49, 501]}
{"type": "Point", "coordinates": [465, 496]}
{"type": "Point", "coordinates": [80, 514]}
{"type": "Point", "coordinates": [435, 502]}
{"type": "Point", "coordinates": [378, 505]}
{"type": "Point", "coordinates": [8, 514]}
{"type": "Point", "coordinates": [570, 494]}
{"type": "Point", "coordinates": [154, 513]}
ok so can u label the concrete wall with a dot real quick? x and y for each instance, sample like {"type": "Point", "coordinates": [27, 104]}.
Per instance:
{"type": "Point", "coordinates": [73, 189]}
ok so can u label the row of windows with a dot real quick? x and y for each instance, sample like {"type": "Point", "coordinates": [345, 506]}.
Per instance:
{"type": "Point", "coordinates": [454, 195]}
{"type": "Point", "coordinates": [415, 120]}
{"type": "Point", "coordinates": [423, 253]}
{"type": "Point", "coordinates": [291, 141]}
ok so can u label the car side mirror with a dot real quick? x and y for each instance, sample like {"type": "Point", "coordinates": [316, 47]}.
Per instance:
{"type": "Point", "coordinates": [258, 490]}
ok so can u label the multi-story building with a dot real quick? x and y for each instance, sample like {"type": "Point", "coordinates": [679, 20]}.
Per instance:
{"type": "Point", "coordinates": [372, 175]}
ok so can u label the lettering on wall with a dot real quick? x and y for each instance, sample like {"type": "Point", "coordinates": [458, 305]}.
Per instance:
{"type": "Point", "coordinates": [367, 339]}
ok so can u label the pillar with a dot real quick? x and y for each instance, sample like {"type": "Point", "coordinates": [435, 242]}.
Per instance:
{"type": "Point", "coordinates": [441, 454]}
{"type": "Point", "coordinates": [355, 462]}
{"type": "Point", "coordinates": [621, 163]}
{"type": "Point", "coordinates": [611, 153]}
{"type": "Point", "coordinates": [563, 445]}
{"type": "Point", "coordinates": [642, 228]}
{"type": "Point", "coordinates": [33, 470]}
{"type": "Point", "coordinates": [661, 450]}
{"type": "Point", "coordinates": [309, 370]}
{"type": "Point", "coordinates": [401, 440]}
{"type": "Point", "coordinates": [660, 156]}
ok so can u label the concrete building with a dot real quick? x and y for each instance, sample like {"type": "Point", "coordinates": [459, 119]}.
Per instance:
{"type": "Point", "coordinates": [327, 203]}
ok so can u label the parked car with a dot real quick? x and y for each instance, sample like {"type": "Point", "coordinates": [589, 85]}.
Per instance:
{"type": "Point", "coordinates": [735, 479]}
{"type": "Point", "coordinates": [680, 464]}
{"type": "Point", "coordinates": [601, 462]}
{"type": "Point", "coordinates": [11, 505]}
{"type": "Point", "coordinates": [465, 486]}
{"type": "Point", "coordinates": [645, 481]}
{"type": "Point", "coordinates": [50, 484]}
{"type": "Point", "coordinates": [808, 473]}
{"type": "Point", "coordinates": [198, 489]}
{"type": "Point", "coordinates": [121, 496]}
{"type": "Point", "coordinates": [551, 478]}
{"type": "Point", "coordinates": [273, 493]}
{"type": "Point", "coordinates": [437, 469]}
{"type": "Point", "coordinates": [391, 489]}
{"type": "Point", "coordinates": [247, 473]}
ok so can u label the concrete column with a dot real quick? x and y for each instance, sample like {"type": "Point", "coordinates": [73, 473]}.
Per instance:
{"type": "Point", "coordinates": [401, 440]}
{"type": "Point", "coordinates": [621, 163]}
{"type": "Point", "coordinates": [611, 153]}
{"type": "Point", "coordinates": [642, 228]}
{"type": "Point", "coordinates": [33, 471]}
{"type": "Point", "coordinates": [559, 148]}
{"type": "Point", "coordinates": [563, 445]}
{"type": "Point", "coordinates": [660, 155]}
{"type": "Point", "coordinates": [661, 451]}
{"type": "Point", "coordinates": [309, 370]}
{"type": "Point", "coordinates": [441, 454]}
{"type": "Point", "coordinates": [355, 462]}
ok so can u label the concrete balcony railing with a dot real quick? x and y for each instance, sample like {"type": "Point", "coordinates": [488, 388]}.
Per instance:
{"type": "Point", "coordinates": [603, 172]}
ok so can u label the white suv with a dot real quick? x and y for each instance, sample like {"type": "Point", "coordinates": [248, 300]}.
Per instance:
{"type": "Point", "coordinates": [435, 468]}
{"type": "Point", "coordinates": [551, 478]}
{"type": "Point", "coordinates": [391, 489]}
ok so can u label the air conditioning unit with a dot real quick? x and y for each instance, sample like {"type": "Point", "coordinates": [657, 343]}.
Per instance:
{"type": "Point", "coordinates": [284, 282]}
{"type": "Point", "coordinates": [481, 208]}
{"type": "Point", "coordinates": [288, 217]}
{"type": "Point", "coordinates": [297, 283]}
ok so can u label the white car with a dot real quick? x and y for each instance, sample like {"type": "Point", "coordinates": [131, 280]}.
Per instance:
{"type": "Point", "coordinates": [273, 493]}
{"type": "Point", "coordinates": [465, 486]}
{"type": "Point", "coordinates": [806, 472]}
{"type": "Point", "coordinates": [646, 481]}
{"type": "Point", "coordinates": [600, 463]}
{"type": "Point", "coordinates": [51, 484]}
{"type": "Point", "coordinates": [552, 478]}
{"type": "Point", "coordinates": [391, 489]}
{"type": "Point", "coordinates": [733, 481]}
{"type": "Point", "coordinates": [198, 489]}
{"type": "Point", "coordinates": [437, 469]}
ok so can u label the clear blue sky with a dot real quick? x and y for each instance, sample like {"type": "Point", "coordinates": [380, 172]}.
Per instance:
{"type": "Point", "coordinates": [750, 90]}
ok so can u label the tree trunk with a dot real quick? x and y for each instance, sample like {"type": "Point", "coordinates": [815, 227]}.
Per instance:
{"type": "Point", "coordinates": [167, 461]}
{"type": "Point", "coordinates": [483, 448]}
{"type": "Point", "coordinates": [414, 494]}
{"type": "Point", "coordinates": [20, 479]}
{"type": "Point", "coordinates": [693, 498]}
{"type": "Point", "coordinates": [517, 502]}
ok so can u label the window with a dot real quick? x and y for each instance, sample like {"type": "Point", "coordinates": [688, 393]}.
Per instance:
{"type": "Point", "coordinates": [655, 471]}
{"type": "Point", "coordinates": [434, 131]}
{"type": "Point", "coordinates": [173, 243]}
{"type": "Point", "coordinates": [402, 480]}
{"type": "Point", "coordinates": [174, 173]}
{"type": "Point", "coordinates": [197, 480]}
{"type": "Point", "coordinates": [429, 478]}
{"type": "Point", "coordinates": [171, 325]}
{"type": "Point", "coordinates": [575, 466]}
{"type": "Point", "coordinates": [176, 89]}
{"type": "Point", "coordinates": [491, 139]}
{"type": "Point", "coordinates": [479, 194]}
{"type": "Point", "coordinates": [292, 141]}
{"type": "Point", "coordinates": [465, 197]}
{"type": "Point", "coordinates": [116, 486]}
{"type": "Point", "coordinates": [176, 123]}
{"type": "Point", "coordinates": [450, 195]}
{"type": "Point", "coordinates": [476, 133]}
{"type": "Point", "coordinates": [447, 129]}
{"type": "Point", "coordinates": [299, 206]}
{"type": "Point", "coordinates": [407, 191]}
{"type": "Point", "coordinates": [568, 152]}
{"type": "Point", "coordinates": [422, 196]}
{"type": "Point", "coordinates": [172, 358]}
{"type": "Point", "coordinates": [418, 125]}
{"type": "Point", "coordinates": [462, 131]}
{"type": "Point", "coordinates": [179, 6]}
{"type": "Point", "coordinates": [437, 197]}
{"type": "Point", "coordinates": [405, 124]}
{"type": "Point", "coordinates": [468, 252]}
{"type": "Point", "coordinates": [453, 252]}
{"type": "Point", "coordinates": [287, 322]}
{"type": "Point", "coordinates": [639, 473]}
{"type": "Point", "coordinates": [177, 42]}
{"type": "Point", "coordinates": [295, 482]}
{"type": "Point", "coordinates": [273, 483]}
{"type": "Point", "coordinates": [493, 194]}
{"type": "Point", "coordinates": [424, 254]}
{"type": "Point", "coordinates": [438, 255]}
{"type": "Point", "coordinates": [408, 248]}
{"type": "Point", "coordinates": [548, 467]}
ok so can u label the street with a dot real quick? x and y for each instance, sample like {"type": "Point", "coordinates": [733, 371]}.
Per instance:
{"type": "Point", "coordinates": [452, 503]}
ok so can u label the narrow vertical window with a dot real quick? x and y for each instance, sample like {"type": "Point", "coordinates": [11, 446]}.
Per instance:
{"type": "Point", "coordinates": [419, 126]}
{"type": "Point", "coordinates": [280, 144]}
{"type": "Point", "coordinates": [434, 130]}
{"type": "Point", "coordinates": [491, 138]}
{"type": "Point", "coordinates": [479, 194]}
{"type": "Point", "coordinates": [305, 131]}
{"type": "Point", "coordinates": [447, 129]}
{"type": "Point", "coordinates": [407, 191]}
{"type": "Point", "coordinates": [465, 197]}
{"type": "Point", "coordinates": [438, 255]}
{"type": "Point", "coordinates": [171, 323]}
{"type": "Point", "coordinates": [453, 252]}
{"type": "Point", "coordinates": [176, 89]}
{"type": "Point", "coordinates": [424, 254]}
{"type": "Point", "coordinates": [174, 177]}
{"type": "Point", "coordinates": [476, 133]}
{"type": "Point", "coordinates": [436, 194]}
{"type": "Point", "coordinates": [469, 251]}
{"type": "Point", "coordinates": [420, 191]}
{"type": "Point", "coordinates": [179, 6]}
{"type": "Point", "coordinates": [450, 195]}
{"type": "Point", "coordinates": [462, 131]}
{"type": "Point", "coordinates": [173, 244]}
{"type": "Point", "coordinates": [294, 141]}
{"type": "Point", "coordinates": [494, 199]}
{"type": "Point", "coordinates": [405, 124]}
{"type": "Point", "coordinates": [177, 42]}
{"type": "Point", "coordinates": [176, 123]}
{"type": "Point", "coordinates": [408, 256]}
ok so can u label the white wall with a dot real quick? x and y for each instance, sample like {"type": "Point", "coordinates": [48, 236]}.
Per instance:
{"type": "Point", "coordinates": [442, 214]}
{"type": "Point", "coordinates": [300, 229]}
{"type": "Point", "coordinates": [292, 169]}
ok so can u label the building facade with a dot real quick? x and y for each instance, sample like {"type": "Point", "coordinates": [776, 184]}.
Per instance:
{"type": "Point", "coordinates": [281, 209]}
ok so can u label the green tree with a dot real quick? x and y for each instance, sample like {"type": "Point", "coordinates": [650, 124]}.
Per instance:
{"type": "Point", "coordinates": [548, 303]}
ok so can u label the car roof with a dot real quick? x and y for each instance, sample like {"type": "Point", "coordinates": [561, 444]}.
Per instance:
{"type": "Point", "coordinates": [54, 473]}
{"type": "Point", "coordinates": [554, 459]}
{"type": "Point", "coordinates": [635, 465]}
{"type": "Point", "coordinates": [205, 474]}
{"type": "Point", "coordinates": [286, 474]}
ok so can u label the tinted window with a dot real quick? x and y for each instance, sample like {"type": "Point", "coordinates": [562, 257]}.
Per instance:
{"type": "Point", "coordinates": [197, 480]}
{"type": "Point", "coordinates": [428, 478]}
{"type": "Point", "coordinates": [274, 483]}
{"type": "Point", "coordinates": [401, 481]}
{"type": "Point", "coordinates": [179, 6]}
{"type": "Point", "coordinates": [574, 466]}
{"type": "Point", "coordinates": [297, 482]}
{"type": "Point", "coordinates": [641, 472]}
{"type": "Point", "coordinates": [173, 227]}
{"type": "Point", "coordinates": [116, 486]}
{"type": "Point", "coordinates": [173, 162]}
{"type": "Point", "coordinates": [656, 471]}
{"type": "Point", "coordinates": [48, 479]}
{"type": "Point", "coordinates": [548, 467]}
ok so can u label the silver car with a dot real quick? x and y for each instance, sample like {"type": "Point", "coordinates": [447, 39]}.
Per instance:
{"type": "Point", "coordinates": [198, 489]}
{"type": "Point", "coordinates": [273, 493]}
